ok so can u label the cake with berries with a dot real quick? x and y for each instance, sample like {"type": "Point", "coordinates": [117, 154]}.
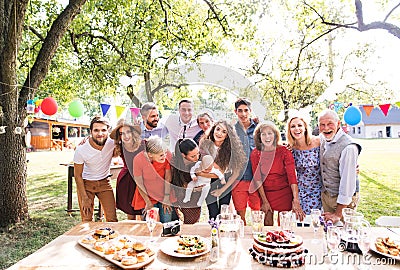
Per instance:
{"type": "Point", "coordinates": [278, 249]}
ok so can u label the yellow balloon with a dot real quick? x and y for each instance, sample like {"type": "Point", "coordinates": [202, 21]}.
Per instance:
{"type": "Point", "coordinates": [38, 102]}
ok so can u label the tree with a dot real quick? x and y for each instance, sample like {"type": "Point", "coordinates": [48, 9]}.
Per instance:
{"type": "Point", "coordinates": [359, 24]}
{"type": "Point", "coordinates": [13, 97]}
{"type": "Point", "coordinates": [163, 33]}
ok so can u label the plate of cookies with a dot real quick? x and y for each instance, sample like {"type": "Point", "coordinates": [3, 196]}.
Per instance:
{"type": "Point", "coordinates": [186, 246]}
{"type": "Point", "coordinates": [122, 250]}
{"type": "Point", "coordinates": [387, 246]}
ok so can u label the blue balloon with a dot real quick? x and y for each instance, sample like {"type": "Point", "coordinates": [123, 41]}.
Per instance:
{"type": "Point", "coordinates": [352, 116]}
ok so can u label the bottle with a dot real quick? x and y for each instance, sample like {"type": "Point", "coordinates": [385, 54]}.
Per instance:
{"type": "Point", "coordinates": [214, 253]}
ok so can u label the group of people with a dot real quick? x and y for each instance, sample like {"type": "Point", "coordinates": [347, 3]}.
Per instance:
{"type": "Point", "coordinates": [216, 162]}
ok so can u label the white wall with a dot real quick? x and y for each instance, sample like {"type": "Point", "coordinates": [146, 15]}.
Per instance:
{"type": "Point", "coordinates": [373, 131]}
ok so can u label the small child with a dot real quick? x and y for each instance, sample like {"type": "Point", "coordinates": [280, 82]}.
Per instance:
{"type": "Point", "coordinates": [206, 165]}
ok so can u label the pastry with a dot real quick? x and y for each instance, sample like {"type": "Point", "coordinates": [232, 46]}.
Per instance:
{"type": "Point", "coordinates": [142, 257]}
{"type": "Point", "coordinates": [129, 260]}
{"type": "Point", "coordinates": [88, 240]}
{"type": "Point", "coordinates": [139, 247]}
{"type": "Point", "coordinates": [131, 252]}
{"type": "Point", "coordinates": [99, 246]}
{"type": "Point", "coordinates": [149, 252]}
{"type": "Point", "coordinates": [101, 235]}
{"type": "Point", "coordinates": [109, 250]}
{"type": "Point", "coordinates": [128, 244]}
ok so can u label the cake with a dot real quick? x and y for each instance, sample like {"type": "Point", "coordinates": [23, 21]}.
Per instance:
{"type": "Point", "coordinates": [278, 249]}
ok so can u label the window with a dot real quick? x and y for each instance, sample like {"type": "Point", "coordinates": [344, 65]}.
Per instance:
{"type": "Point", "coordinates": [359, 130]}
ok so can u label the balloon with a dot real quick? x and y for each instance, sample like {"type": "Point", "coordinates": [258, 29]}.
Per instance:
{"type": "Point", "coordinates": [38, 102]}
{"type": "Point", "coordinates": [49, 106]}
{"type": "Point", "coordinates": [37, 109]}
{"type": "Point", "coordinates": [352, 116]}
{"type": "Point", "coordinates": [76, 108]}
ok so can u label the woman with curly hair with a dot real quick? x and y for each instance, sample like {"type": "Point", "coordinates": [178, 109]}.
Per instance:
{"type": "Point", "coordinates": [274, 173]}
{"type": "Point", "coordinates": [223, 144]}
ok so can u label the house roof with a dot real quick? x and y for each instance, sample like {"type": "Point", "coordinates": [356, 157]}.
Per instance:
{"type": "Point", "coordinates": [377, 117]}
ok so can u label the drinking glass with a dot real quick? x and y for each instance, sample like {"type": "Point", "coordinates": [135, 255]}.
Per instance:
{"type": "Point", "coordinates": [315, 223]}
{"type": "Point", "coordinates": [364, 242]}
{"type": "Point", "coordinates": [333, 242]}
{"type": "Point", "coordinates": [151, 220]}
{"type": "Point", "coordinates": [257, 219]}
{"type": "Point", "coordinates": [286, 221]}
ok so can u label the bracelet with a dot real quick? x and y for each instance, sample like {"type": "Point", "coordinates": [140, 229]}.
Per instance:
{"type": "Point", "coordinates": [166, 194]}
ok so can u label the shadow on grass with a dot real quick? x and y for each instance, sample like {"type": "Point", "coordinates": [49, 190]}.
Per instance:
{"type": "Point", "coordinates": [388, 191]}
{"type": "Point", "coordinates": [26, 237]}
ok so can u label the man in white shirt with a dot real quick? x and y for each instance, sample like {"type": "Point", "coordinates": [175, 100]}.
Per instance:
{"type": "Point", "coordinates": [182, 125]}
{"type": "Point", "coordinates": [92, 162]}
{"type": "Point", "coordinates": [151, 125]}
{"type": "Point", "coordinates": [338, 161]}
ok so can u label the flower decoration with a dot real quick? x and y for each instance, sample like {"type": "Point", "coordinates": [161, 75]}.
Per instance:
{"type": "Point", "coordinates": [324, 223]}
{"type": "Point", "coordinates": [214, 223]}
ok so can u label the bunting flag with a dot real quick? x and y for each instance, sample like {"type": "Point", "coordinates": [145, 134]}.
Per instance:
{"type": "Point", "coordinates": [398, 104]}
{"type": "Point", "coordinates": [119, 110]}
{"type": "Point", "coordinates": [104, 108]}
{"type": "Point", "coordinates": [384, 108]}
{"type": "Point", "coordinates": [135, 112]}
{"type": "Point", "coordinates": [368, 109]}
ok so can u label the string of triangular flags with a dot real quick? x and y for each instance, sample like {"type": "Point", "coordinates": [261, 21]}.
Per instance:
{"type": "Point", "coordinates": [118, 110]}
{"type": "Point", "coordinates": [368, 108]}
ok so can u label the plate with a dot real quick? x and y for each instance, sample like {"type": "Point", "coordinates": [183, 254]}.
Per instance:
{"type": "Point", "coordinates": [387, 221]}
{"type": "Point", "coordinates": [373, 248]}
{"type": "Point", "coordinates": [171, 244]}
{"type": "Point", "coordinates": [110, 257]}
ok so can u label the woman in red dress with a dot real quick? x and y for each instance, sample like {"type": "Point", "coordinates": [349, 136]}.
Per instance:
{"type": "Point", "coordinates": [274, 173]}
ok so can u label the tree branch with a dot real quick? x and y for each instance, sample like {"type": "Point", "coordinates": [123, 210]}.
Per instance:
{"type": "Point", "coordinates": [216, 16]}
{"type": "Point", "coordinates": [390, 12]}
{"type": "Point", "coordinates": [361, 26]}
{"type": "Point", "coordinates": [47, 51]}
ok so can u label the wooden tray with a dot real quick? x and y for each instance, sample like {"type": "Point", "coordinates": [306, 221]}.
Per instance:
{"type": "Point", "coordinates": [110, 256]}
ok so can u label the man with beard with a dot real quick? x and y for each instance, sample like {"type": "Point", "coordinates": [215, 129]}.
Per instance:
{"type": "Point", "coordinates": [150, 124]}
{"type": "Point", "coordinates": [338, 161]}
{"type": "Point", "coordinates": [92, 162]}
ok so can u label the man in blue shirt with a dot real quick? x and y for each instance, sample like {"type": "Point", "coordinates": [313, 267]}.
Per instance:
{"type": "Point", "coordinates": [241, 193]}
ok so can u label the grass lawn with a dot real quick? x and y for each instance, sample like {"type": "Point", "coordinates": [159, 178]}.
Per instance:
{"type": "Point", "coordinates": [47, 186]}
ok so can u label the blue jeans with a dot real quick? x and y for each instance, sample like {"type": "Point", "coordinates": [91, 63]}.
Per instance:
{"type": "Point", "coordinates": [164, 216]}
{"type": "Point", "coordinates": [214, 203]}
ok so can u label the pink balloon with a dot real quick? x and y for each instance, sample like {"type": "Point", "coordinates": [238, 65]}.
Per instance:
{"type": "Point", "coordinates": [49, 106]}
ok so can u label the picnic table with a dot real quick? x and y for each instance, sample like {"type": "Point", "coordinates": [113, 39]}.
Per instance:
{"type": "Point", "coordinates": [66, 253]}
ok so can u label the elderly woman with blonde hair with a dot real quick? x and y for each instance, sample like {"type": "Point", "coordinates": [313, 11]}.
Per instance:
{"type": "Point", "coordinates": [152, 172]}
{"type": "Point", "coordinates": [274, 173]}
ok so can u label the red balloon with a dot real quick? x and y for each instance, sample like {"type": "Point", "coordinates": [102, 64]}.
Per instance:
{"type": "Point", "coordinates": [37, 109]}
{"type": "Point", "coordinates": [49, 106]}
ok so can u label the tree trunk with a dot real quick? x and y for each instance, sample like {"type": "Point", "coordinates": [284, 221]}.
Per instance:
{"type": "Point", "coordinates": [13, 199]}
